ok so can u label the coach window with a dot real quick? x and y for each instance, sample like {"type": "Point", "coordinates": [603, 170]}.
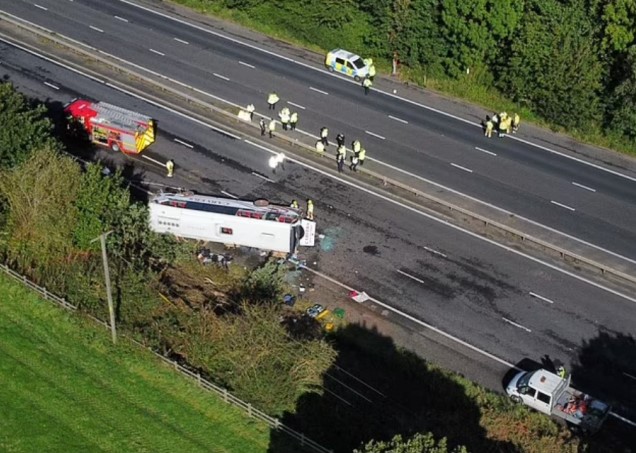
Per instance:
{"type": "Point", "coordinates": [225, 230]}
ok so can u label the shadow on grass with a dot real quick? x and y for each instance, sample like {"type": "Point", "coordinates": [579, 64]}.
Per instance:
{"type": "Point", "coordinates": [375, 391]}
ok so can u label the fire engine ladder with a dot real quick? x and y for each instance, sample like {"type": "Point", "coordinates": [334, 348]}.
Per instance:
{"type": "Point", "coordinates": [127, 118]}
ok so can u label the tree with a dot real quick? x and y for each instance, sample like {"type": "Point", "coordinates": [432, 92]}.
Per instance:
{"type": "Point", "coordinates": [619, 25]}
{"type": "Point", "coordinates": [622, 105]}
{"type": "Point", "coordinates": [476, 31]}
{"type": "Point", "coordinates": [420, 443]}
{"type": "Point", "coordinates": [554, 66]}
{"type": "Point", "coordinates": [40, 196]}
{"type": "Point", "coordinates": [23, 128]}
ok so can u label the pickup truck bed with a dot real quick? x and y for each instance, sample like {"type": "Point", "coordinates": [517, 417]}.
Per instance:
{"type": "Point", "coordinates": [580, 409]}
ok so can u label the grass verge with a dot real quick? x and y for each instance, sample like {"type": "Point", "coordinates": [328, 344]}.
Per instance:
{"type": "Point", "coordinates": [65, 388]}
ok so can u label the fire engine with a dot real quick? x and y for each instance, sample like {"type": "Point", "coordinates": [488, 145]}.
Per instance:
{"type": "Point", "coordinates": [108, 125]}
{"type": "Point", "coordinates": [256, 224]}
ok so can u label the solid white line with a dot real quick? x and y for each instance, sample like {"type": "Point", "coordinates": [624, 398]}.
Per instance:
{"type": "Point", "coordinates": [181, 41]}
{"type": "Point", "coordinates": [435, 252]}
{"type": "Point", "coordinates": [375, 135]}
{"type": "Point", "coordinates": [538, 296]}
{"type": "Point", "coordinates": [264, 177]}
{"type": "Point", "coordinates": [220, 76]}
{"type": "Point", "coordinates": [398, 119]}
{"type": "Point", "coordinates": [410, 276]}
{"type": "Point", "coordinates": [51, 85]}
{"type": "Point", "coordinates": [569, 208]}
{"type": "Point", "coordinates": [183, 143]}
{"type": "Point", "coordinates": [121, 18]}
{"type": "Point", "coordinates": [447, 223]}
{"type": "Point", "coordinates": [157, 52]}
{"type": "Point", "coordinates": [583, 187]}
{"type": "Point", "coordinates": [296, 105]}
{"type": "Point", "coordinates": [153, 160]}
{"type": "Point", "coordinates": [485, 151]}
{"type": "Point", "coordinates": [92, 27]}
{"type": "Point", "coordinates": [318, 91]}
{"type": "Point", "coordinates": [246, 64]}
{"type": "Point", "coordinates": [461, 168]}
{"type": "Point", "coordinates": [629, 376]}
{"type": "Point", "coordinates": [228, 194]}
{"type": "Point", "coordinates": [395, 96]}
{"type": "Point", "coordinates": [516, 325]}
{"type": "Point", "coordinates": [40, 6]}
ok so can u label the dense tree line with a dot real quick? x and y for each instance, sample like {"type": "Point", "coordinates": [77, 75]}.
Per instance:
{"type": "Point", "coordinates": [572, 62]}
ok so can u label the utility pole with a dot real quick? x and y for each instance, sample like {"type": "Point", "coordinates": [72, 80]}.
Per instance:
{"type": "Point", "coordinates": [109, 295]}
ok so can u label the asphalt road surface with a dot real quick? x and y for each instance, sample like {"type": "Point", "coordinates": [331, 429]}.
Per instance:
{"type": "Point", "coordinates": [582, 200]}
{"type": "Point", "coordinates": [490, 297]}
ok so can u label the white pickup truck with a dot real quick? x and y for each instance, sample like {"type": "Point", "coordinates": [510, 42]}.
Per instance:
{"type": "Point", "coordinates": [552, 395]}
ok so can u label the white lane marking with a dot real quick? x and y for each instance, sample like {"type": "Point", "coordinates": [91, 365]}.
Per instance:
{"type": "Point", "coordinates": [183, 143]}
{"type": "Point", "coordinates": [229, 194]}
{"type": "Point", "coordinates": [123, 19]}
{"type": "Point", "coordinates": [220, 76]}
{"type": "Point", "coordinates": [398, 119]}
{"type": "Point", "coordinates": [343, 181]}
{"type": "Point", "coordinates": [412, 277]}
{"type": "Point", "coordinates": [318, 91]}
{"type": "Point", "coordinates": [516, 324]}
{"type": "Point", "coordinates": [485, 151]}
{"type": "Point", "coordinates": [629, 376]}
{"type": "Point", "coordinates": [153, 160]}
{"type": "Point", "coordinates": [564, 206]}
{"type": "Point", "coordinates": [92, 27]}
{"type": "Point", "coordinates": [447, 223]}
{"type": "Point", "coordinates": [296, 105]}
{"type": "Point", "coordinates": [538, 296]}
{"type": "Point", "coordinates": [375, 135]}
{"type": "Point", "coordinates": [40, 6]}
{"type": "Point", "coordinates": [246, 64]}
{"type": "Point", "coordinates": [181, 41]}
{"type": "Point", "coordinates": [51, 85]}
{"type": "Point", "coordinates": [395, 96]}
{"type": "Point", "coordinates": [263, 177]}
{"type": "Point", "coordinates": [583, 187]}
{"type": "Point", "coordinates": [461, 168]}
{"type": "Point", "coordinates": [435, 252]}
{"type": "Point", "coordinates": [157, 52]}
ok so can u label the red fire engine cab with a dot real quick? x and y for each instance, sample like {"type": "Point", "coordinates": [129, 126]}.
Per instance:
{"type": "Point", "coordinates": [109, 125]}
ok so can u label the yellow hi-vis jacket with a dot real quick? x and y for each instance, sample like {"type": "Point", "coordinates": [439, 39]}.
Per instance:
{"type": "Point", "coordinates": [272, 98]}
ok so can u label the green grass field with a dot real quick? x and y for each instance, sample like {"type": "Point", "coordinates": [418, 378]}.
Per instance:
{"type": "Point", "coordinates": [65, 388]}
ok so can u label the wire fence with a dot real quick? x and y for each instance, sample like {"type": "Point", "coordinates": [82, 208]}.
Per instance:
{"type": "Point", "coordinates": [203, 383]}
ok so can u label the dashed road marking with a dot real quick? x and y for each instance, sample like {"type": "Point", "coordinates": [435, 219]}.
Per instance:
{"type": "Point", "coordinates": [516, 324]}
{"type": "Point", "coordinates": [262, 177]}
{"type": "Point", "coordinates": [435, 252]}
{"type": "Point", "coordinates": [412, 277]}
{"type": "Point", "coordinates": [375, 135]}
{"type": "Point", "coordinates": [51, 85]}
{"type": "Point", "coordinates": [318, 91]}
{"type": "Point", "coordinates": [222, 77]}
{"type": "Point", "coordinates": [564, 206]}
{"type": "Point", "coordinates": [583, 187]}
{"type": "Point", "coordinates": [92, 27]}
{"type": "Point", "coordinates": [157, 52]}
{"type": "Point", "coordinates": [183, 143]}
{"type": "Point", "coordinates": [181, 41]}
{"type": "Point", "coordinates": [398, 119]}
{"type": "Point", "coordinates": [538, 296]}
{"type": "Point", "coordinates": [296, 105]}
{"type": "Point", "coordinates": [229, 194]}
{"type": "Point", "coordinates": [461, 168]}
{"type": "Point", "coordinates": [40, 6]}
{"type": "Point", "coordinates": [123, 19]}
{"type": "Point", "coordinates": [485, 151]}
{"type": "Point", "coordinates": [153, 160]}
{"type": "Point", "coordinates": [246, 64]}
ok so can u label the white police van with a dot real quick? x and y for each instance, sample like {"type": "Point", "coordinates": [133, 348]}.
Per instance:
{"type": "Point", "coordinates": [339, 60]}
